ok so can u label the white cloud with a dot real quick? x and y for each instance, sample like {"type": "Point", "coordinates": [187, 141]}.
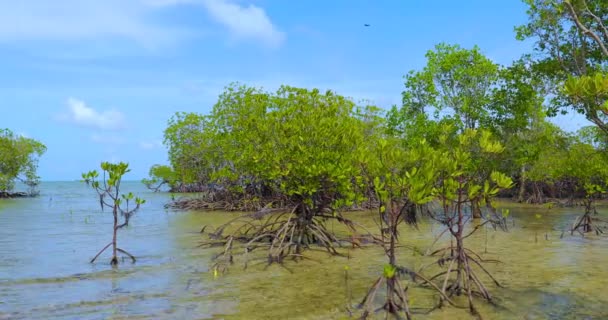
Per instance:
{"type": "Point", "coordinates": [149, 145]}
{"type": "Point", "coordinates": [132, 20]}
{"type": "Point", "coordinates": [79, 113]}
{"type": "Point", "coordinates": [84, 19]}
{"type": "Point", "coordinates": [249, 22]}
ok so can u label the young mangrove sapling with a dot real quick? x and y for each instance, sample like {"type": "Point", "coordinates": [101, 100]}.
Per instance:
{"type": "Point", "coordinates": [457, 189]}
{"type": "Point", "coordinates": [124, 205]}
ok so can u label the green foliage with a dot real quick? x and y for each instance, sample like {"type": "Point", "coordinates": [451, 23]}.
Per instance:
{"type": "Point", "coordinates": [18, 160]}
{"type": "Point", "coordinates": [592, 189]}
{"type": "Point", "coordinates": [316, 140]}
{"type": "Point", "coordinates": [160, 175]}
{"type": "Point", "coordinates": [571, 42]}
{"type": "Point", "coordinates": [466, 90]}
{"type": "Point", "coordinates": [593, 87]}
{"type": "Point", "coordinates": [573, 161]}
{"type": "Point", "coordinates": [455, 80]}
{"type": "Point", "coordinates": [460, 169]}
{"type": "Point", "coordinates": [403, 175]}
{"type": "Point", "coordinates": [300, 143]}
{"type": "Point", "coordinates": [109, 186]}
{"type": "Point", "coordinates": [594, 136]}
{"type": "Point", "coordinates": [572, 36]}
{"type": "Point", "coordinates": [389, 271]}
{"type": "Point", "coordinates": [539, 149]}
{"type": "Point", "coordinates": [517, 100]}
{"type": "Point", "coordinates": [592, 92]}
{"type": "Point", "coordinates": [583, 163]}
{"type": "Point", "coordinates": [188, 145]}
{"type": "Point", "coordinates": [303, 144]}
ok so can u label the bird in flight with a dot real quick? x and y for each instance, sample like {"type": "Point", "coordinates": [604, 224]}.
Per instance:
{"type": "Point", "coordinates": [366, 25]}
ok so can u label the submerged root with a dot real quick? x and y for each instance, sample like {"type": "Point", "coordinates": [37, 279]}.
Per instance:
{"type": "Point", "coordinates": [6, 194]}
{"type": "Point", "coordinates": [100, 252]}
{"type": "Point", "coordinates": [282, 234]}
{"type": "Point", "coordinates": [396, 299]}
{"type": "Point", "coordinates": [126, 253]}
{"type": "Point", "coordinates": [114, 260]}
{"type": "Point", "coordinates": [396, 302]}
{"type": "Point", "coordinates": [585, 224]}
{"type": "Point", "coordinates": [460, 278]}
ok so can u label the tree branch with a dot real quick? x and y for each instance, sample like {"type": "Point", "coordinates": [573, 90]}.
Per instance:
{"type": "Point", "coordinates": [597, 19]}
{"type": "Point", "coordinates": [584, 29]}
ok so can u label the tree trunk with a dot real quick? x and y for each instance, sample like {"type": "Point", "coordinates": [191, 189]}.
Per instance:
{"type": "Point", "coordinates": [460, 274]}
{"type": "Point", "coordinates": [522, 185]}
{"type": "Point", "coordinates": [114, 260]}
{"type": "Point", "coordinates": [475, 209]}
{"type": "Point", "coordinates": [390, 282]}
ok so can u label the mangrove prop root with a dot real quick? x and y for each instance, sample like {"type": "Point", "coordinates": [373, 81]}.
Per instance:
{"type": "Point", "coordinates": [284, 234]}
{"type": "Point", "coordinates": [100, 252]}
{"type": "Point", "coordinates": [586, 223]}
{"type": "Point", "coordinates": [369, 297]}
{"type": "Point", "coordinates": [126, 253]}
{"type": "Point", "coordinates": [416, 275]}
{"type": "Point", "coordinates": [460, 278]}
{"type": "Point", "coordinates": [396, 298]}
{"type": "Point", "coordinates": [6, 194]}
{"type": "Point", "coordinates": [114, 260]}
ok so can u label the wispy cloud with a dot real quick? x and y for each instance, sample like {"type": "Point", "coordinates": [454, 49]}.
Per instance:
{"type": "Point", "coordinates": [84, 19]}
{"type": "Point", "coordinates": [132, 20]}
{"type": "Point", "coordinates": [250, 22]}
{"type": "Point", "coordinates": [80, 114]}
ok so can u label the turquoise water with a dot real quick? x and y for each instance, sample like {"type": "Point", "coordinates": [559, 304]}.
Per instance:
{"type": "Point", "coordinates": [46, 244]}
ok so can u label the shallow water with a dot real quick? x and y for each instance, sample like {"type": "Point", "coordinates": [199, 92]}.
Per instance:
{"type": "Point", "coordinates": [46, 243]}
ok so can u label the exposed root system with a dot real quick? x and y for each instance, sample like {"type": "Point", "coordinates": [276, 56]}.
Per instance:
{"type": "Point", "coordinates": [282, 233]}
{"type": "Point", "coordinates": [461, 276]}
{"type": "Point", "coordinates": [587, 222]}
{"type": "Point", "coordinates": [6, 194]}
{"type": "Point", "coordinates": [114, 260]}
{"type": "Point", "coordinates": [226, 201]}
{"type": "Point", "coordinates": [396, 299]}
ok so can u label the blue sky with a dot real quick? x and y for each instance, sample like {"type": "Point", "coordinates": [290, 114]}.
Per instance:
{"type": "Point", "coordinates": [97, 80]}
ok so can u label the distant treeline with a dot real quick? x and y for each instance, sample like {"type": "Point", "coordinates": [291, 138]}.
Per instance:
{"type": "Point", "coordinates": [18, 162]}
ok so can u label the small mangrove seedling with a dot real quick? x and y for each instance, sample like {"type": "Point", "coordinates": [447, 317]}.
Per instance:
{"type": "Point", "coordinates": [124, 205]}
{"type": "Point", "coordinates": [586, 222]}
